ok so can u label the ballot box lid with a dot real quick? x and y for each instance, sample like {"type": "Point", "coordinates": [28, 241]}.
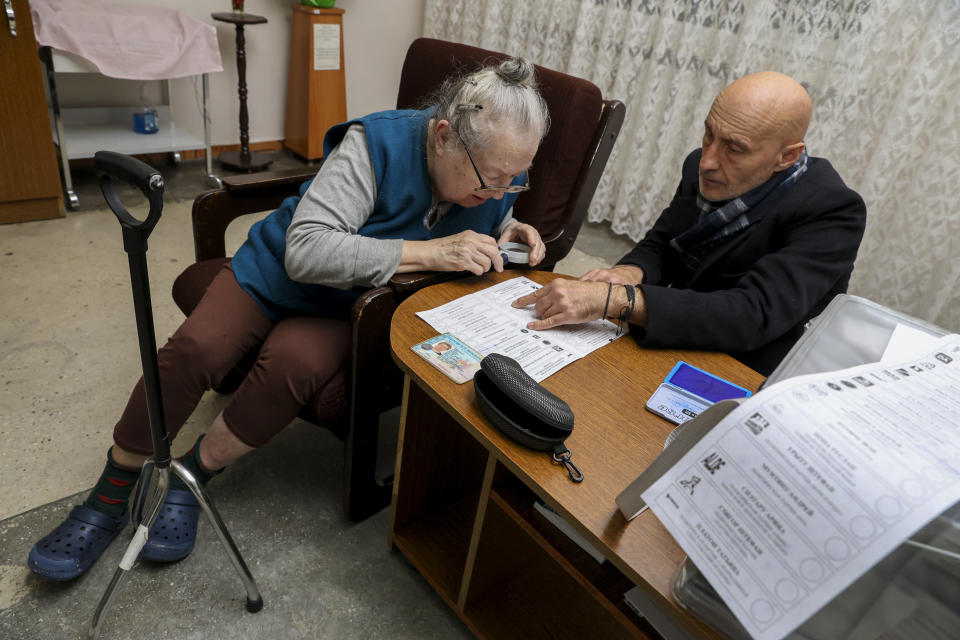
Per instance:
{"type": "Point", "coordinates": [850, 331]}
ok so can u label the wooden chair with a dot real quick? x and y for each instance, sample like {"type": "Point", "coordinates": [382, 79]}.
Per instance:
{"type": "Point", "coordinates": [563, 179]}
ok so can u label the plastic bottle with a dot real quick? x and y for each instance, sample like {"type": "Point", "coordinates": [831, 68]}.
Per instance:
{"type": "Point", "coordinates": [145, 117]}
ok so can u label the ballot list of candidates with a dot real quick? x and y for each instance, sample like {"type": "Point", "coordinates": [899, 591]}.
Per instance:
{"type": "Point", "coordinates": [809, 483]}
{"type": "Point", "coordinates": [486, 321]}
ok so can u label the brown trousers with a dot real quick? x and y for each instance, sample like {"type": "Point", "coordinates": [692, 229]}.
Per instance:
{"type": "Point", "coordinates": [299, 356]}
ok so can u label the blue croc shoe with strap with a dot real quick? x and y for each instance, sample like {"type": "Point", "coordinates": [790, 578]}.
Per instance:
{"type": "Point", "coordinates": [69, 550]}
{"type": "Point", "coordinates": [174, 532]}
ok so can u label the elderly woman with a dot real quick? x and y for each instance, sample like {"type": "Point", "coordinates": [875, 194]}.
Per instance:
{"type": "Point", "coordinates": [399, 191]}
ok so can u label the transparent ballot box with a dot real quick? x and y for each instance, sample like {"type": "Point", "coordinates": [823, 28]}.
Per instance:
{"type": "Point", "coordinates": [914, 592]}
{"type": "Point", "coordinates": [849, 332]}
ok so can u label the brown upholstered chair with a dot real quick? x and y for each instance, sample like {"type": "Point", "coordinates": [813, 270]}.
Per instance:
{"type": "Point", "coordinates": [563, 178]}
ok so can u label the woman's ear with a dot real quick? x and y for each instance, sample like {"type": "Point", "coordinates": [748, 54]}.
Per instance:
{"type": "Point", "coordinates": [442, 130]}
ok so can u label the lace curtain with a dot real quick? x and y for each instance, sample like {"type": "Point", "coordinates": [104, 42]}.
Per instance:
{"type": "Point", "coordinates": [883, 76]}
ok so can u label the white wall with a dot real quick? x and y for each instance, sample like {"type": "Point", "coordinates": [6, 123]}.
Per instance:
{"type": "Point", "coordinates": [376, 36]}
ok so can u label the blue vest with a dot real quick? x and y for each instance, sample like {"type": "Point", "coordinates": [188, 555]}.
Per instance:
{"type": "Point", "coordinates": [395, 140]}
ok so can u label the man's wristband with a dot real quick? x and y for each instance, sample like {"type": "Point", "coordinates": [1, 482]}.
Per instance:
{"type": "Point", "coordinates": [606, 305]}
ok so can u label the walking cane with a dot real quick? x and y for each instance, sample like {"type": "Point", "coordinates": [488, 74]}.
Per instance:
{"type": "Point", "coordinates": [156, 471]}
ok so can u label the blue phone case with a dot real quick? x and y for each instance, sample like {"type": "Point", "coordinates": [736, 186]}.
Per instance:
{"type": "Point", "coordinates": [703, 384]}
{"type": "Point", "coordinates": [688, 391]}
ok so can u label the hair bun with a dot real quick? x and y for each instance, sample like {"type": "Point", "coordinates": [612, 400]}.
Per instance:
{"type": "Point", "coordinates": [516, 71]}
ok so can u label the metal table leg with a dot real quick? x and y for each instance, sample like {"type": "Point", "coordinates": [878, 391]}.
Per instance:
{"type": "Point", "coordinates": [71, 196]}
{"type": "Point", "coordinates": [212, 180]}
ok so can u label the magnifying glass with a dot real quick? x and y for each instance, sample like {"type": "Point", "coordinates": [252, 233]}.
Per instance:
{"type": "Point", "coordinates": [515, 253]}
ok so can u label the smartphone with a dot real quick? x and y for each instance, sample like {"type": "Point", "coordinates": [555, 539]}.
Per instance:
{"type": "Point", "coordinates": [687, 391]}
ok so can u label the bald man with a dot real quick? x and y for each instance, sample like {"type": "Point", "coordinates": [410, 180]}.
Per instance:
{"type": "Point", "coordinates": [758, 238]}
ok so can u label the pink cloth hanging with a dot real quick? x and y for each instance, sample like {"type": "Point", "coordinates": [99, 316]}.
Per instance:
{"type": "Point", "coordinates": [134, 42]}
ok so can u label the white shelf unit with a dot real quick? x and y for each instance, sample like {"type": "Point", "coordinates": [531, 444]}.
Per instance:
{"type": "Point", "coordinates": [82, 131]}
{"type": "Point", "coordinates": [90, 129]}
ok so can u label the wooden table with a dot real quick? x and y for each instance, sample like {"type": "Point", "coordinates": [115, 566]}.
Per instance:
{"type": "Point", "coordinates": [463, 494]}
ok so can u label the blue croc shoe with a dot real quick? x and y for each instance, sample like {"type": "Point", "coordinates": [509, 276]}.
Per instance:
{"type": "Point", "coordinates": [69, 550]}
{"type": "Point", "coordinates": [174, 532]}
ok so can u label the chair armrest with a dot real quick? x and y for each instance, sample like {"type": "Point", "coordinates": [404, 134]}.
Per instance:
{"type": "Point", "coordinates": [371, 315]}
{"type": "Point", "coordinates": [214, 210]}
{"type": "Point", "coordinates": [372, 374]}
{"type": "Point", "coordinates": [267, 179]}
{"type": "Point", "coordinates": [407, 283]}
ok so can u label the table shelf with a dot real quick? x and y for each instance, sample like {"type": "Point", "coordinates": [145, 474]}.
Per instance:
{"type": "Point", "coordinates": [87, 130]}
{"type": "Point", "coordinates": [437, 545]}
{"type": "Point", "coordinates": [468, 526]}
{"type": "Point", "coordinates": [519, 571]}
{"type": "Point", "coordinates": [602, 581]}
{"type": "Point", "coordinates": [542, 602]}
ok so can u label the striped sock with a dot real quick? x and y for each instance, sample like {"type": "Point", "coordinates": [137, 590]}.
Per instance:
{"type": "Point", "coordinates": [191, 460]}
{"type": "Point", "coordinates": [109, 495]}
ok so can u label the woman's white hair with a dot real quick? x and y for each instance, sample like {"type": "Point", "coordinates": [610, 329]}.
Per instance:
{"type": "Point", "coordinates": [500, 96]}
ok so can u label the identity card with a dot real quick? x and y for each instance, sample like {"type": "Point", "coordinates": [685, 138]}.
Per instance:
{"type": "Point", "coordinates": [451, 356]}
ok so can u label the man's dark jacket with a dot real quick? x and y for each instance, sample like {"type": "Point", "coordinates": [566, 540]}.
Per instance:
{"type": "Point", "coordinates": [751, 296]}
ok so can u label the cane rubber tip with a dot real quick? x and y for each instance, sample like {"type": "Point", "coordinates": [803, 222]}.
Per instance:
{"type": "Point", "coordinates": [254, 605]}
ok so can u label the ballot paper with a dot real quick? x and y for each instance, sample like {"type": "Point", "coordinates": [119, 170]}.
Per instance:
{"type": "Point", "coordinates": [485, 321]}
{"type": "Point", "coordinates": [904, 341]}
{"type": "Point", "coordinates": [806, 485]}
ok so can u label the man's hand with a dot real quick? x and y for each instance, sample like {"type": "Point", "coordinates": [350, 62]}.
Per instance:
{"type": "Point", "coordinates": [464, 251]}
{"type": "Point", "coordinates": [620, 274]}
{"type": "Point", "coordinates": [565, 302]}
{"type": "Point", "coordinates": [518, 231]}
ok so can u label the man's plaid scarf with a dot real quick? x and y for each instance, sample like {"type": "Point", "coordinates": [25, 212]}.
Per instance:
{"type": "Point", "coordinates": [717, 224]}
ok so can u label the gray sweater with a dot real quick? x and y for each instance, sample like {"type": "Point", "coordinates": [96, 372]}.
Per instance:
{"type": "Point", "coordinates": [323, 246]}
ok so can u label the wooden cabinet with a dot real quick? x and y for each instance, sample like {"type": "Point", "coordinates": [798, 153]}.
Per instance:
{"type": "Point", "coordinates": [468, 525]}
{"type": "Point", "coordinates": [316, 86]}
{"type": "Point", "coordinates": [29, 180]}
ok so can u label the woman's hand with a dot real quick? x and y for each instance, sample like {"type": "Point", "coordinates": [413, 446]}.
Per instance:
{"type": "Point", "coordinates": [518, 231]}
{"type": "Point", "coordinates": [465, 251]}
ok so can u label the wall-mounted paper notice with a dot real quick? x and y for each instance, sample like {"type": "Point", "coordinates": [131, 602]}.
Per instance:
{"type": "Point", "coordinates": [326, 47]}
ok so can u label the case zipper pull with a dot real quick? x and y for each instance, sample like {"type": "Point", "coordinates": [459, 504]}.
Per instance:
{"type": "Point", "coordinates": [562, 456]}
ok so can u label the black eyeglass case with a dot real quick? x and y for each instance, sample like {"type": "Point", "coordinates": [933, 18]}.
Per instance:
{"type": "Point", "coordinates": [524, 410]}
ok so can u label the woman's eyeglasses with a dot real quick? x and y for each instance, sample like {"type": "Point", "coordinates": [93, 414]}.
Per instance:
{"type": "Point", "coordinates": [487, 188]}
